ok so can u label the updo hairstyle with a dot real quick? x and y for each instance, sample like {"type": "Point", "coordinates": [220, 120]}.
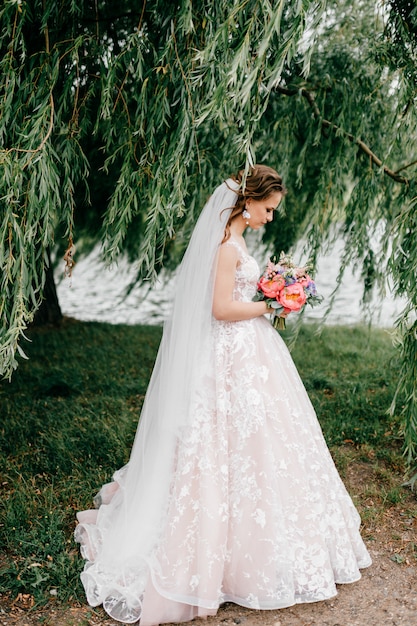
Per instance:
{"type": "Point", "coordinates": [261, 182]}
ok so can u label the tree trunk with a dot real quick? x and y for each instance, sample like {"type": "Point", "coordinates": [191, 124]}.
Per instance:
{"type": "Point", "coordinates": [49, 312]}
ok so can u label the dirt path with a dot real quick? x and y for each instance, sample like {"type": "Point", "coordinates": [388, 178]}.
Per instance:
{"type": "Point", "coordinates": [385, 596]}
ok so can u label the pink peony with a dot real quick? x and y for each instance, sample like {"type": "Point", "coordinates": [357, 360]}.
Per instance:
{"type": "Point", "coordinates": [293, 297]}
{"type": "Point", "coordinates": [272, 287]}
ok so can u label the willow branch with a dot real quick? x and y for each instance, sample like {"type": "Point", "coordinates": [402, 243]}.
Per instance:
{"type": "Point", "coordinates": [46, 32]}
{"type": "Point", "coordinates": [327, 124]}
{"type": "Point", "coordinates": [404, 167]}
{"type": "Point", "coordinates": [48, 134]}
{"type": "Point", "coordinates": [190, 99]}
{"type": "Point", "coordinates": [122, 98]}
{"type": "Point", "coordinates": [34, 151]}
{"type": "Point", "coordinates": [10, 53]}
{"type": "Point", "coordinates": [141, 16]}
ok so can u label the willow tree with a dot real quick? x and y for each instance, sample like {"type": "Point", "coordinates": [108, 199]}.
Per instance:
{"type": "Point", "coordinates": [124, 115]}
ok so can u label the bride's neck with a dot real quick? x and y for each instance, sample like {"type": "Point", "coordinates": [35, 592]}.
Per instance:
{"type": "Point", "coordinates": [237, 228]}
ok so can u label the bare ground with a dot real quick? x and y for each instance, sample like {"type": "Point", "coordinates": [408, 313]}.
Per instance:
{"type": "Point", "coordinates": [385, 596]}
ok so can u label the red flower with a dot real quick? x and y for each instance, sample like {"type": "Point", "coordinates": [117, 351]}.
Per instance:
{"type": "Point", "coordinates": [293, 297]}
{"type": "Point", "coordinates": [271, 287]}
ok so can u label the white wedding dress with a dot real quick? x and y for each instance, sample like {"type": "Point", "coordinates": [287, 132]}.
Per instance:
{"type": "Point", "coordinates": [257, 513]}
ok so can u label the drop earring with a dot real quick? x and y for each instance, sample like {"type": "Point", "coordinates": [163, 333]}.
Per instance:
{"type": "Point", "coordinates": [246, 215]}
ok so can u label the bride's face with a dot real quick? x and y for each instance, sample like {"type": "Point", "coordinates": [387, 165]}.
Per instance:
{"type": "Point", "coordinates": [262, 211]}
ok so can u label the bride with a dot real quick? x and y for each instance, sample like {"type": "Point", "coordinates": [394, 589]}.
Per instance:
{"type": "Point", "coordinates": [230, 493]}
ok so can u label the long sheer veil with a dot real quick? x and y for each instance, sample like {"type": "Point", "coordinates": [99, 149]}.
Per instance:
{"type": "Point", "coordinates": [118, 547]}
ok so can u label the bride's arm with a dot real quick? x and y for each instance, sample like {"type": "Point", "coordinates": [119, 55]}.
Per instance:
{"type": "Point", "coordinates": [224, 307]}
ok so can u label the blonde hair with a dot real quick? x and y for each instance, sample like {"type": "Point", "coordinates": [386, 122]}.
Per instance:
{"type": "Point", "coordinates": [261, 181]}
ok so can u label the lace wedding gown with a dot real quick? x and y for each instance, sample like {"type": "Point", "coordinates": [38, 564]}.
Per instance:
{"type": "Point", "coordinates": [257, 513]}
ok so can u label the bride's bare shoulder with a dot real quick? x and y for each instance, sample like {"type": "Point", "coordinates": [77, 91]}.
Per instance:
{"type": "Point", "coordinates": [229, 248]}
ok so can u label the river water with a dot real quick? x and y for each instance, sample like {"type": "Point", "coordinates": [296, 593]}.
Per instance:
{"type": "Point", "coordinates": [95, 293]}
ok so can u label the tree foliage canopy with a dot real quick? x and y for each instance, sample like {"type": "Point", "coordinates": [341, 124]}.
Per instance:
{"type": "Point", "coordinates": [117, 119]}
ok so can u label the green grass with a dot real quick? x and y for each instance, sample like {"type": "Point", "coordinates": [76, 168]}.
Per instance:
{"type": "Point", "coordinates": [68, 418]}
{"type": "Point", "coordinates": [350, 374]}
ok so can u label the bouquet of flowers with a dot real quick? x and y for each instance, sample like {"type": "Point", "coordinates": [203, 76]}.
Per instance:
{"type": "Point", "coordinates": [286, 288]}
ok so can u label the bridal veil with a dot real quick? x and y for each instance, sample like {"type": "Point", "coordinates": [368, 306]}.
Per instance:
{"type": "Point", "coordinates": [118, 545]}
